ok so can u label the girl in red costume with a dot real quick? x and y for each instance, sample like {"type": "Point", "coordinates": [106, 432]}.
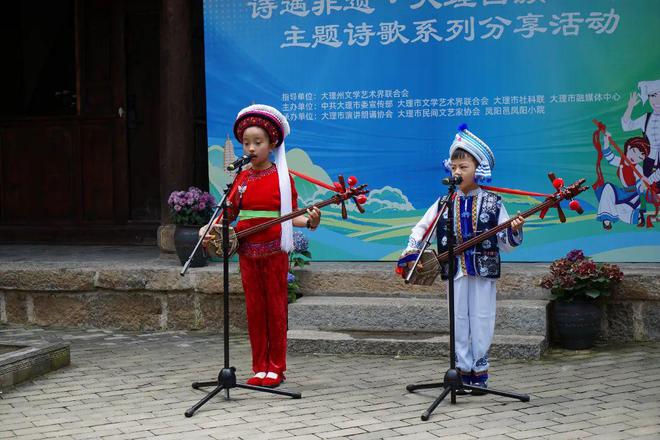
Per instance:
{"type": "Point", "coordinates": [265, 191]}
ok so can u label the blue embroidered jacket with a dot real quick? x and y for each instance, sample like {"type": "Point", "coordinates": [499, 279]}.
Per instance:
{"type": "Point", "coordinates": [469, 220]}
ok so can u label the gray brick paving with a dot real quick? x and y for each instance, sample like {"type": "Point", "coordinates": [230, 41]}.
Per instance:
{"type": "Point", "coordinates": [124, 386]}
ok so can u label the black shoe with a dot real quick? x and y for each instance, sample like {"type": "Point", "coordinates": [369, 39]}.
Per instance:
{"type": "Point", "coordinates": [463, 392]}
{"type": "Point", "coordinates": [477, 392]}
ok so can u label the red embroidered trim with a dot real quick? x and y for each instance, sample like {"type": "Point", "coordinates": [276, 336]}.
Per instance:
{"type": "Point", "coordinates": [253, 175]}
{"type": "Point", "coordinates": [260, 249]}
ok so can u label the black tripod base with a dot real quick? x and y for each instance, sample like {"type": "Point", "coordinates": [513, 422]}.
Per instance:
{"type": "Point", "coordinates": [453, 385]}
{"type": "Point", "coordinates": [226, 381]}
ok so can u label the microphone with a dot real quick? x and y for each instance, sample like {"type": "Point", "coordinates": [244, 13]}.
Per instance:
{"type": "Point", "coordinates": [241, 161]}
{"type": "Point", "coordinates": [452, 180]}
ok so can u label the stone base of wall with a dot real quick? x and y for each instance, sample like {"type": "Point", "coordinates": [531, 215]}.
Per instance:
{"type": "Point", "coordinates": [127, 310]}
{"type": "Point", "coordinates": [624, 321]}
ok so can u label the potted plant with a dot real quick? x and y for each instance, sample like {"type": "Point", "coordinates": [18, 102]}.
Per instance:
{"type": "Point", "coordinates": [299, 257]}
{"type": "Point", "coordinates": [577, 284]}
{"type": "Point", "coordinates": [189, 210]}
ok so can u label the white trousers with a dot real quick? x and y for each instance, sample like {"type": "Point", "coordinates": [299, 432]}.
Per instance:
{"type": "Point", "coordinates": [474, 312]}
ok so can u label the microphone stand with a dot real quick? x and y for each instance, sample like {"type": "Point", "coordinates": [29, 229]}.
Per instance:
{"type": "Point", "coordinates": [227, 375]}
{"type": "Point", "coordinates": [452, 380]}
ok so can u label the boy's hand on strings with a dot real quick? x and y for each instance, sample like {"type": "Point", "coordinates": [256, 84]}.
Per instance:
{"type": "Point", "coordinates": [517, 223]}
{"type": "Point", "coordinates": [410, 265]}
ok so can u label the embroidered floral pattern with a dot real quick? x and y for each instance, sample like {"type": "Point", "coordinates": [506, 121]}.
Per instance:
{"type": "Point", "coordinates": [490, 203]}
{"type": "Point", "coordinates": [502, 235]}
{"type": "Point", "coordinates": [489, 264]}
{"type": "Point", "coordinates": [414, 244]}
{"type": "Point", "coordinates": [482, 362]}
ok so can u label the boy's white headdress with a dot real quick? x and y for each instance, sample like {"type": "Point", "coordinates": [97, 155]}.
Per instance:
{"type": "Point", "coordinates": [468, 141]}
{"type": "Point", "coordinates": [277, 127]}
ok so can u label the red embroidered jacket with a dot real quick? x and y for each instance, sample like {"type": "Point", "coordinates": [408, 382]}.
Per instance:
{"type": "Point", "coordinates": [259, 190]}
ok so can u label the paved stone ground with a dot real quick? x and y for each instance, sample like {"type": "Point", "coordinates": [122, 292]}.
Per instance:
{"type": "Point", "coordinates": [131, 386]}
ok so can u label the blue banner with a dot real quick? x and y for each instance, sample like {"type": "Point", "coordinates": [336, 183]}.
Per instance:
{"type": "Point", "coordinates": [376, 89]}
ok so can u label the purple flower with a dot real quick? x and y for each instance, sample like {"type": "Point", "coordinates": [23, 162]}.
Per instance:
{"type": "Point", "coordinates": [191, 206]}
{"type": "Point", "coordinates": [290, 278]}
{"type": "Point", "coordinates": [575, 255]}
{"type": "Point", "coordinates": [300, 242]}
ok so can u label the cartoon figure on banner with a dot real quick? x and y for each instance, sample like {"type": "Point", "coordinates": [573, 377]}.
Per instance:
{"type": "Point", "coordinates": [628, 202]}
{"type": "Point", "coordinates": [649, 124]}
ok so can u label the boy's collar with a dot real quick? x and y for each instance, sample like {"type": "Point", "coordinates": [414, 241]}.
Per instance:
{"type": "Point", "coordinates": [473, 192]}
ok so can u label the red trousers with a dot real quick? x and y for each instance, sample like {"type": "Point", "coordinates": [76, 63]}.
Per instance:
{"type": "Point", "coordinates": [266, 300]}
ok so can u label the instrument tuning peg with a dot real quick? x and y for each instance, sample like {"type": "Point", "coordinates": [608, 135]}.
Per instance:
{"type": "Point", "coordinates": [359, 200]}
{"type": "Point", "coordinates": [560, 212]}
{"type": "Point", "coordinates": [342, 183]}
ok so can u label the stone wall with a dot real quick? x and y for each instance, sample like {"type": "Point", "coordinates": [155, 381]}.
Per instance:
{"type": "Point", "coordinates": [632, 313]}
{"type": "Point", "coordinates": [156, 297]}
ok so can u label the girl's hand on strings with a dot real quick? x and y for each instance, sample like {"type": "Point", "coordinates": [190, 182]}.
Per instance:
{"type": "Point", "coordinates": [314, 218]}
{"type": "Point", "coordinates": [207, 237]}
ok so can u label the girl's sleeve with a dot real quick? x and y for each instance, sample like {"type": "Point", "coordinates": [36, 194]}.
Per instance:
{"type": "Point", "coordinates": [294, 194]}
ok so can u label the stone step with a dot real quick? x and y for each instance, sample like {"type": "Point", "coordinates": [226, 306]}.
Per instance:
{"type": "Point", "coordinates": [518, 281]}
{"type": "Point", "coordinates": [406, 344]}
{"type": "Point", "coordinates": [382, 314]}
{"type": "Point", "coordinates": [22, 360]}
